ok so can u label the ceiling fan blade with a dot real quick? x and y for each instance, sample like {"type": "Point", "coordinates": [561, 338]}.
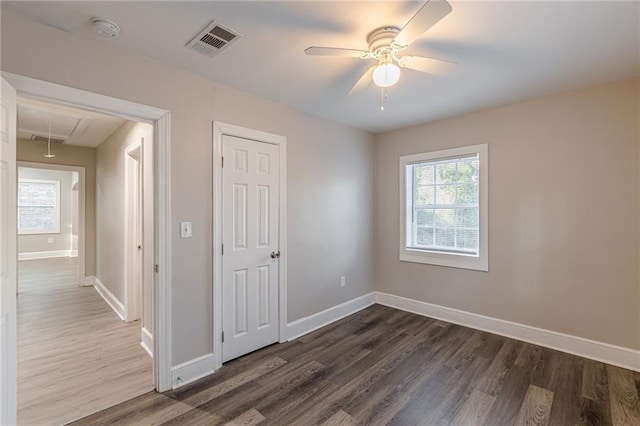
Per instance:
{"type": "Point", "coordinates": [429, 14]}
{"type": "Point", "coordinates": [364, 81]}
{"type": "Point", "coordinates": [428, 65]}
{"type": "Point", "coordinates": [335, 51]}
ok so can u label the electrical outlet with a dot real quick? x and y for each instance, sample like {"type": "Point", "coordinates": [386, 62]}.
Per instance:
{"type": "Point", "coordinates": [185, 230]}
{"type": "Point", "coordinates": [343, 281]}
{"type": "Point", "coordinates": [50, 240]}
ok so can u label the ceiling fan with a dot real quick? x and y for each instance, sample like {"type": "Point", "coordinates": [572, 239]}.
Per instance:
{"type": "Point", "coordinates": [386, 45]}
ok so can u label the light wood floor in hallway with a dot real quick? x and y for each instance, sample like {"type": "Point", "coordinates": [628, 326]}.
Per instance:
{"type": "Point", "coordinates": [75, 356]}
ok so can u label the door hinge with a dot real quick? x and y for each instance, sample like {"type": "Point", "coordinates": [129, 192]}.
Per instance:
{"type": "Point", "coordinates": [223, 162]}
{"type": "Point", "coordinates": [223, 337]}
{"type": "Point", "coordinates": [157, 269]}
{"type": "Point", "coordinates": [222, 250]}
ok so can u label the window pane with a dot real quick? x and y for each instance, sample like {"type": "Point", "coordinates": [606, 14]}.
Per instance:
{"type": "Point", "coordinates": [446, 172]}
{"type": "Point", "coordinates": [467, 239]}
{"type": "Point", "coordinates": [37, 206]}
{"type": "Point", "coordinates": [445, 194]}
{"type": "Point", "coordinates": [36, 194]}
{"type": "Point", "coordinates": [445, 218]}
{"type": "Point", "coordinates": [424, 237]}
{"type": "Point", "coordinates": [36, 218]}
{"type": "Point", "coordinates": [467, 218]}
{"type": "Point", "coordinates": [468, 170]}
{"type": "Point", "coordinates": [424, 217]}
{"type": "Point", "coordinates": [424, 174]}
{"type": "Point", "coordinates": [468, 193]}
{"type": "Point", "coordinates": [424, 195]}
{"type": "Point", "coordinates": [445, 237]}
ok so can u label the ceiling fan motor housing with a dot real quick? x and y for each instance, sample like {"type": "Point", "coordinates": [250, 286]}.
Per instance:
{"type": "Point", "coordinates": [380, 40]}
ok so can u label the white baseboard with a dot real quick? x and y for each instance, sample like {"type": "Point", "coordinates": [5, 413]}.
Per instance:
{"type": "Point", "coordinates": [599, 351]}
{"type": "Point", "coordinates": [318, 320]}
{"type": "Point", "coordinates": [108, 297]}
{"type": "Point", "coordinates": [87, 281]}
{"type": "Point", "coordinates": [146, 341]}
{"type": "Point", "coordinates": [45, 254]}
{"type": "Point", "coordinates": [192, 370]}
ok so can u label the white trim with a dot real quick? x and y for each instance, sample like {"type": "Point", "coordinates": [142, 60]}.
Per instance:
{"type": "Point", "coordinates": [321, 319]}
{"type": "Point", "coordinates": [73, 253]}
{"type": "Point", "coordinates": [161, 119]}
{"type": "Point", "coordinates": [478, 262]}
{"type": "Point", "coordinates": [586, 348]}
{"type": "Point", "coordinates": [45, 254]}
{"type": "Point", "coordinates": [69, 96]}
{"type": "Point", "coordinates": [81, 207]}
{"type": "Point", "coordinates": [146, 341]}
{"type": "Point", "coordinates": [219, 130]}
{"type": "Point", "coordinates": [108, 297]}
{"type": "Point", "coordinates": [162, 222]}
{"type": "Point", "coordinates": [190, 371]}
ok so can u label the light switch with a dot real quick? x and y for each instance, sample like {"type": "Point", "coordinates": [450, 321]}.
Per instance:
{"type": "Point", "coordinates": [185, 230]}
{"type": "Point", "coordinates": [50, 240]}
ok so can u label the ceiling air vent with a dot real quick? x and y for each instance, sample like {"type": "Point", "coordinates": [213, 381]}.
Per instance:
{"type": "Point", "coordinates": [213, 39]}
{"type": "Point", "coordinates": [46, 139]}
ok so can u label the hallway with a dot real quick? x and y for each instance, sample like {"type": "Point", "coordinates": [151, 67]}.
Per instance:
{"type": "Point", "coordinates": [75, 356]}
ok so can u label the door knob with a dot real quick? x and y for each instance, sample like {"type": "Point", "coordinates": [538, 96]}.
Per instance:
{"type": "Point", "coordinates": [275, 255]}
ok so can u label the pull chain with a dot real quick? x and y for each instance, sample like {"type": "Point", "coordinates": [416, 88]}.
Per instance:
{"type": "Point", "coordinates": [384, 95]}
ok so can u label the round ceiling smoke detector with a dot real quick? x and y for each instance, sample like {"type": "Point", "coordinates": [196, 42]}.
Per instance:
{"type": "Point", "coordinates": [105, 27]}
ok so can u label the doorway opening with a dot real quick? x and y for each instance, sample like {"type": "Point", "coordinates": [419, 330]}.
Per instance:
{"type": "Point", "coordinates": [160, 249]}
{"type": "Point", "coordinates": [84, 312]}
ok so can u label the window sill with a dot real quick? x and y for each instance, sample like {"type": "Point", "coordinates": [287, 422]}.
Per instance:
{"type": "Point", "coordinates": [444, 259]}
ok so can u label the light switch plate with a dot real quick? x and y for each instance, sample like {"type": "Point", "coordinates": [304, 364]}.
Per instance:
{"type": "Point", "coordinates": [185, 230]}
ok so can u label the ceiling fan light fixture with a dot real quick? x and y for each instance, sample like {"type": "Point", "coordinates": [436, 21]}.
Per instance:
{"type": "Point", "coordinates": [386, 74]}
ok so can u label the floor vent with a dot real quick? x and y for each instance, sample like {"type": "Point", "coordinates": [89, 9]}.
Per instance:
{"type": "Point", "coordinates": [213, 39]}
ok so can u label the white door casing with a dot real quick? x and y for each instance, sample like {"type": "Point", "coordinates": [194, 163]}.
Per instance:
{"type": "Point", "coordinates": [8, 256]}
{"type": "Point", "coordinates": [250, 194]}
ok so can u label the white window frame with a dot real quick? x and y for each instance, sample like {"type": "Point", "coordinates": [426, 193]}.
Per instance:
{"type": "Point", "coordinates": [56, 229]}
{"type": "Point", "coordinates": [479, 262]}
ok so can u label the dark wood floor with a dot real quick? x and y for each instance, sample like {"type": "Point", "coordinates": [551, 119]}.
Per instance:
{"type": "Point", "coordinates": [384, 366]}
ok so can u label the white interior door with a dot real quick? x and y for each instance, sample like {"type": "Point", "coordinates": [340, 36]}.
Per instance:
{"type": "Point", "coordinates": [8, 256]}
{"type": "Point", "coordinates": [250, 218]}
{"type": "Point", "coordinates": [133, 234]}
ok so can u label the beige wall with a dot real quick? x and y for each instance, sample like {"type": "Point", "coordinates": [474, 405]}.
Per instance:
{"type": "Point", "coordinates": [330, 173]}
{"type": "Point", "coordinates": [31, 243]}
{"type": "Point", "coordinates": [110, 211]}
{"type": "Point", "coordinates": [563, 214]}
{"type": "Point", "coordinates": [69, 155]}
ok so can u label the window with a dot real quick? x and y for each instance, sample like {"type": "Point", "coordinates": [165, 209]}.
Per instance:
{"type": "Point", "coordinates": [444, 208]}
{"type": "Point", "coordinates": [38, 206]}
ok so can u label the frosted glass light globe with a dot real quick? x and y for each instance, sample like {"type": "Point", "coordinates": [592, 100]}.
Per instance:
{"type": "Point", "coordinates": [386, 75]}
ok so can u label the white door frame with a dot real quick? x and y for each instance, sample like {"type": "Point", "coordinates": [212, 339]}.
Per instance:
{"type": "Point", "coordinates": [81, 208]}
{"type": "Point", "coordinates": [224, 129]}
{"type": "Point", "coordinates": [161, 121]}
{"type": "Point", "coordinates": [133, 266]}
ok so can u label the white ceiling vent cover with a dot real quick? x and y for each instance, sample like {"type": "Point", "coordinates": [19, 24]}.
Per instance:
{"type": "Point", "coordinates": [46, 139]}
{"type": "Point", "coordinates": [213, 39]}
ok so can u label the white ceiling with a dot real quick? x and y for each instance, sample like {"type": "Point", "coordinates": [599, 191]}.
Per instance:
{"type": "Point", "coordinates": [507, 51]}
{"type": "Point", "coordinates": [74, 126]}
